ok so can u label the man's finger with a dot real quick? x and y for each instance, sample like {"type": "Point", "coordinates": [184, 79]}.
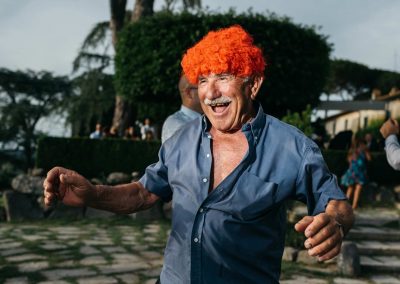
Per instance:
{"type": "Point", "coordinates": [325, 243]}
{"type": "Point", "coordinates": [302, 225]}
{"type": "Point", "coordinates": [319, 221]}
{"type": "Point", "coordinates": [70, 179]}
{"type": "Point", "coordinates": [323, 234]}
{"type": "Point", "coordinates": [331, 253]}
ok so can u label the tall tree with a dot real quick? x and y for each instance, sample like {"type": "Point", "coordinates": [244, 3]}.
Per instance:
{"type": "Point", "coordinates": [99, 35]}
{"type": "Point", "coordinates": [25, 98]}
{"type": "Point", "coordinates": [357, 80]}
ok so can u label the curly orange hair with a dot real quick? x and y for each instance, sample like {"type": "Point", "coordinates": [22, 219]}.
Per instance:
{"type": "Point", "coordinates": [230, 50]}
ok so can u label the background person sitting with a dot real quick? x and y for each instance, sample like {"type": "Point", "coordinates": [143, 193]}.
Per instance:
{"type": "Point", "coordinates": [130, 134]}
{"type": "Point", "coordinates": [97, 133]}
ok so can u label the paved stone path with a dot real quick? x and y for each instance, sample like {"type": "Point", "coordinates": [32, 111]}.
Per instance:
{"type": "Point", "coordinates": [82, 253]}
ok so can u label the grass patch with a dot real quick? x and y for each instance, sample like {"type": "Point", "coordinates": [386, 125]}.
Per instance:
{"type": "Point", "coordinates": [8, 271]}
{"type": "Point", "coordinates": [291, 269]}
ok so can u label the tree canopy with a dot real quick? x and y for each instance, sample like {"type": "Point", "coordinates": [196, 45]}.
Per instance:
{"type": "Point", "coordinates": [149, 54]}
{"type": "Point", "coordinates": [25, 97]}
{"type": "Point", "coordinates": [358, 80]}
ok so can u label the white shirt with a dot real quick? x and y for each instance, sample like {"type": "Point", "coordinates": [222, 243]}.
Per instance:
{"type": "Point", "coordinates": [392, 148]}
{"type": "Point", "coordinates": [176, 120]}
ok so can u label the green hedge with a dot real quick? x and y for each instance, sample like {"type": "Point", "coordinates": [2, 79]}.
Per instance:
{"type": "Point", "coordinates": [149, 52]}
{"type": "Point", "coordinates": [96, 158]}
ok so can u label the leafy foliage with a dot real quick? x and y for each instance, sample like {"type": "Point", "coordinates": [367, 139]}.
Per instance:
{"type": "Point", "coordinates": [92, 102]}
{"type": "Point", "coordinates": [358, 80]}
{"type": "Point", "coordinates": [149, 54]}
{"type": "Point", "coordinates": [93, 53]}
{"type": "Point", "coordinates": [300, 120]}
{"type": "Point", "coordinates": [25, 97]}
{"type": "Point", "coordinates": [373, 128]}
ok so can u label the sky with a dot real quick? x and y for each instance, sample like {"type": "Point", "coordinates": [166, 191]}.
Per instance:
{"type": "Point", "coordinates": [47, 34]}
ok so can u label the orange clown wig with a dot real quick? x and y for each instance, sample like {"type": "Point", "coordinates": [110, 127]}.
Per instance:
{"type": "Point", "coordinates": [230, 50]}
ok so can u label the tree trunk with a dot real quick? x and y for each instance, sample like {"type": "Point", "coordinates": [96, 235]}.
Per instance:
{"type": "Point", "coordinates": [117, 8]}
{"type": "Point", "coordinates": [143, 8]}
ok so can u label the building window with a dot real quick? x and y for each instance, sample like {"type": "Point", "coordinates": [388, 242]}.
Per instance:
{"type": "Point", "coordinates": [346, 122]}
{"type": "Point", "coordinates": [365, 121]}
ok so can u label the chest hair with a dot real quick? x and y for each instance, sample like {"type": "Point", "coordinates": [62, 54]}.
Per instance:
{"type": "Point", "coordinates": [227, 151]}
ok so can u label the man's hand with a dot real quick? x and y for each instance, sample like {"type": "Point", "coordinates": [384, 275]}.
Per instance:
{"type": "Point", "coordinates": [324, 235]}
{"type": "Point", "coordinates": [67, 186]}
{"type": "Point", "coordinates": [390, 127]}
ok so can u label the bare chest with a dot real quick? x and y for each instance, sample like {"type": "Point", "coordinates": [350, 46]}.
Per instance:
{"type": "Point", "coordinates": [227, 155]}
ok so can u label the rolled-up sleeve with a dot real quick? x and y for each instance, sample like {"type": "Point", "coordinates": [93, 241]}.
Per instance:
{"type": "Point", "coordinates": [155, 178]}
{"type": "Point", "coordinates": [392, 149]}
{"type": "Point", "coordinates": [316, 185]}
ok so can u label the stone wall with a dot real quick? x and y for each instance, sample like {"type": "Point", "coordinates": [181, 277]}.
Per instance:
{"type": "Point", "coordinates": [24, 201]}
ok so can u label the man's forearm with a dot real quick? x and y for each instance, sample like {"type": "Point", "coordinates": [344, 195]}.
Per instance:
{"type": "Point", "coordinates": [123, 199]}
{"type": "Point", "coordinates": [342, 212]}
{"type": "Point", "coordinates": [392, 149]}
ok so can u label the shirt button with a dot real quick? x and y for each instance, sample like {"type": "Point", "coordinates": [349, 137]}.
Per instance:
{"type": "Point", "coordinates": [209, 136]}
{"type": "Point", "coordinates": [196, 240]}
{"type": "Point", "coordinates": [208, 155]}
{"type": "Point", "coordinates": [205, 180]}
{"type": "Point", "coordinates": [201, 210]}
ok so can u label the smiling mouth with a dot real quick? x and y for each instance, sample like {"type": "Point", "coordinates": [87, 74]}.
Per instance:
{"type": "Point", "coordinates": [219, 107]}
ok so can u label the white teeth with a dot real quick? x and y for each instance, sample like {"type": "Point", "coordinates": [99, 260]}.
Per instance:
{"type": "Point", "coordinates": [221, 101]}
{"type": "Point", "coordinates": [217, 105]}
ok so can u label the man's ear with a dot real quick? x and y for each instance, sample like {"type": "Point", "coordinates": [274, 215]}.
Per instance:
{"type": "Point", "coordinates": [189, 93]}
{"type": "Point", "coordinates": [255, 86]}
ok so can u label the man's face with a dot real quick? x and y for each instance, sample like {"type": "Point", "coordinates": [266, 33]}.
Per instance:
{"type": "Point", "coordinates": [226, 101]}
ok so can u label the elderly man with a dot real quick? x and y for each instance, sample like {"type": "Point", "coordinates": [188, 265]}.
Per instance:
{"type": "Point", "coordinates": [228, 175]}
{"type": "Point", "coordinates": [389, 130]}
{"type": "Point", "coordinates": [190, 109]}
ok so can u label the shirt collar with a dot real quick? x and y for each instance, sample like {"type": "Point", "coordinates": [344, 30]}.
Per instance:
{"type": "Point", "coordinates": [255, 125]}
{"type": "Point", "coordinates": [189, 112]}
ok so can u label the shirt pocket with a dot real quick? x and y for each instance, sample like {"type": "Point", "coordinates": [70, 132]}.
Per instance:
{"type": "Point", "coordinates": [250, 198]}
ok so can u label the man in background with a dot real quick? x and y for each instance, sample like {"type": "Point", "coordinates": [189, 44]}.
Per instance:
{"type": "Point", "coordinates": [389, 130]}
{"type": "Point", "coordinates": [97, 133]}
{"type": "Point", "coordinates": [190, 109]}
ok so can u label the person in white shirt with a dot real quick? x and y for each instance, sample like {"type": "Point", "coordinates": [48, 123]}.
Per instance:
{"type": "Point", "coordinates": [190, 109]}
{"type": "Point", "coordinates": [389, 130]}
{"type": "Point", "coordinates": [97, 133]}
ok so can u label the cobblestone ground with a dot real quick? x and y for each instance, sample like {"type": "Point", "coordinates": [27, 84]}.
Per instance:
{"type": "Point", "coordinates": [105, 253]}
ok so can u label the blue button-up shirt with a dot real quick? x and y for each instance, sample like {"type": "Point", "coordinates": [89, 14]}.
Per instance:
{"type": "Point", "coordinates": [176, 120]}
{"type": "Point", "coordinates": [236, 233]}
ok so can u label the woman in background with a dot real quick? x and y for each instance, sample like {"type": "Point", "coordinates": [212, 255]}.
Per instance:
{"type": "Point", "coordinates": [356, 175]}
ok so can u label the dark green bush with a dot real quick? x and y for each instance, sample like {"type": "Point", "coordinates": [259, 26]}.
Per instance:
{"type": "Point", "coordinates": [149, 54]}
{"type": "Point", "coordinates": [96, 158]}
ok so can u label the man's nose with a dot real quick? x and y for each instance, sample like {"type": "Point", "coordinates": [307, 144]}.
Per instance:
{"type": "Point", "coordinates": [213, 91]}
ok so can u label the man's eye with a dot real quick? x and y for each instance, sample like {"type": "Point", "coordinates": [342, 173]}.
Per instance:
{"type": "Point", "coordinates": [224, 77]}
